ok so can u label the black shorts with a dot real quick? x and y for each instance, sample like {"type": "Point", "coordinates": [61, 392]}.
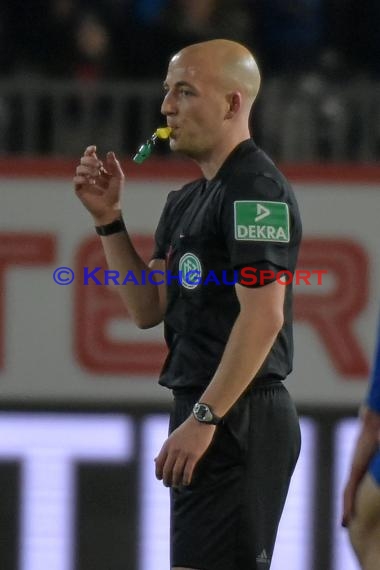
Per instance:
{"type": "Point", "coordinates": [227, 519]}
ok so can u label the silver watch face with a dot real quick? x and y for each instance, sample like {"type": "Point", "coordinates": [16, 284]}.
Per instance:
{"type": "Point", "coordinates": [203, 413]}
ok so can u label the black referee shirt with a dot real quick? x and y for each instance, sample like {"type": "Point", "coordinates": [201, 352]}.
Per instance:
{"type": "Point", "coordinates": [209, 231]}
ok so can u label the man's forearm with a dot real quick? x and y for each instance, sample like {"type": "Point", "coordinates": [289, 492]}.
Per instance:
{"type": "Point", "coordinates": [142, 301]}
{"type": "Point", "coordinates": [365, 449]}
{"type": "Point", "coordinates": [367, 444]}
{"type": "Point", "coordinates": [249, 343]}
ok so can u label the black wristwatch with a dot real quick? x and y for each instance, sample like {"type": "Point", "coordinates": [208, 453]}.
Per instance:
{"type": "Point", "coordinates": [204, 414]}
{"type": "Point", "coordinates": [114, 227]}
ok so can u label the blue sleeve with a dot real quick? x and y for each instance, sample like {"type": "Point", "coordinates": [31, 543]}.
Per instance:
{"type": "Point", "coordinates": [373, 398]}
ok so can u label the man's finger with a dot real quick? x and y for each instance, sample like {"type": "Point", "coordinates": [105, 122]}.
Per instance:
{"type": "Point", "coordinates": [177, 471]}
{"type": "Point", "coordinates": [104, 173]}
{"type": "Point", "coordinates": [87, 171]}
{"type": "Point", "coordinates": [188, 471]}
{"type": "Point", "coordinates": [80, 180]}
{"type": "Point", "coordinates": [160, 461]}
{"type": "Point", "coordinates": [113, 166]}
{"type": "Point", "coordinates": [91, 161]}
{"type": "Point", "coordinates": [347, 517]}
{"type": "Point", "coordinates": [90, 150]}
{"type": "Point", "coordinates": [167, 471]}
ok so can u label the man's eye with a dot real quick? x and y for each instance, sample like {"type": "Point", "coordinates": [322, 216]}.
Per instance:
{"type": "Point", "coordinates": [185, 92]}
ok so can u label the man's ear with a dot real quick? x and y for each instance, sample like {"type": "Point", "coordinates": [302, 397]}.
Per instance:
{"type": "Point", "coordinates": [234, 102]}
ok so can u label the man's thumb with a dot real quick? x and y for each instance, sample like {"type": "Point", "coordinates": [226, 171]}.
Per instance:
{"type": "Point", "coordinates": [113, 165]}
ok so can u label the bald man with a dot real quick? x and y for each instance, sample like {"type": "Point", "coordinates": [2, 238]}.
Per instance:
{"type": "Point", "coordinates": [224, 240]}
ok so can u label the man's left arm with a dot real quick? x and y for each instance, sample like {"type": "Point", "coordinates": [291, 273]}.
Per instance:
{"type": "Point", "coordinates": [259, 321]}
{"type": "Point", "coordinates": [366, 446]}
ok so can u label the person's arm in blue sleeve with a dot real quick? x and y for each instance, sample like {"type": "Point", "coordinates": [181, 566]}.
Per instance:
{"type": "Point", "coordinates": [368, 440]}
{"type": "Point", "coordinates": [373, 399]}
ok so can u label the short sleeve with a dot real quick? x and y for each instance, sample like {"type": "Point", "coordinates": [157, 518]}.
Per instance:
{"type": "Point", "coordinates": [373, 399]}
{"type": "Point", "coordinates": [161, 240]}
{"type": "Point", "coordinates": [256, 222]}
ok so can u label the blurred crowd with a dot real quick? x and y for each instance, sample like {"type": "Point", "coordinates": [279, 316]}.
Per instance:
{"type": "Point", "coordinates": [320, 61]}
{"type": "Point", "coordinates": [127, 39]}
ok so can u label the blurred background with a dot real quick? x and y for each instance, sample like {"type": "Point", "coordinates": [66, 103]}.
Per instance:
{"type": "Point", "coordinates": [81, 415]}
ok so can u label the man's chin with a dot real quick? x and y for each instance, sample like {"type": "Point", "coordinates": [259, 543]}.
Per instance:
{"type": "Point", "coordinates": [177, 147]}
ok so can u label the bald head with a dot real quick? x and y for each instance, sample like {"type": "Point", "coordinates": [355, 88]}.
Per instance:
{"type": "Point", "coordinates": [231, 63]}
{"type": "Point", "coordinates": [210, 88]}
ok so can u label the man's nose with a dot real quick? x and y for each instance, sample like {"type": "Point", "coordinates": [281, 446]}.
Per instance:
{"type": "Point", "coordinates": [168, 105]}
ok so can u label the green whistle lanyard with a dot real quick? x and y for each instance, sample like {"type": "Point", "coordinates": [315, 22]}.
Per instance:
{"type": "Point", "coordinates": [145, 149]}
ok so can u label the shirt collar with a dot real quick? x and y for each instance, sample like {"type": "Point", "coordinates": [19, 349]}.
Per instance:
{"type": "Point", "coordinates": [233, 157]}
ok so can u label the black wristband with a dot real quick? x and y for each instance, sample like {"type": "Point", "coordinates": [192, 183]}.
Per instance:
{"type": "Point", "coordinates": [113, 228]}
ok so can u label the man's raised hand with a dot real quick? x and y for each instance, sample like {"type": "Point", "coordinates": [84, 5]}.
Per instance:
{"type": "Point", "coordinates": [99, 186]}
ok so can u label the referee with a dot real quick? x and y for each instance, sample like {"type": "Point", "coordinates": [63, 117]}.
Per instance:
{"type": "Point", "coordinates": [234, 435]}
{"type": "Point", "coordinates": [361, 500]}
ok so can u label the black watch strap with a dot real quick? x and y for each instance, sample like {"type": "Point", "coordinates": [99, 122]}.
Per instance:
{"type": "Point", "coordinates": [114, 227]}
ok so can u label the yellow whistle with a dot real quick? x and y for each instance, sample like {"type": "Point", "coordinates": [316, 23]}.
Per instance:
{"type": "Point", "coordinates": [163, 132]}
